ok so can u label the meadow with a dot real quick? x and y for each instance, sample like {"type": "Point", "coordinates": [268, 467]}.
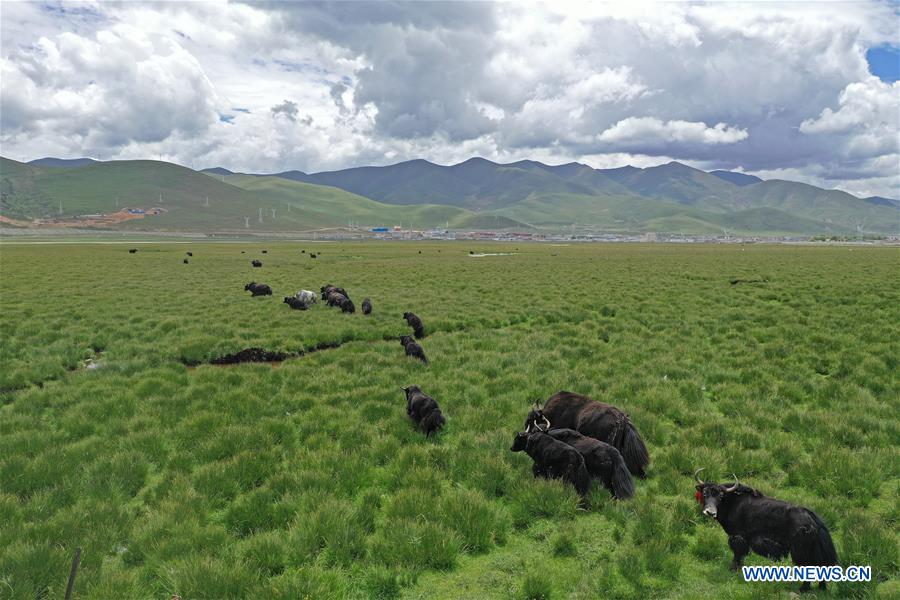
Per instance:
{"type": "Point", "coordinates": [305, 479]}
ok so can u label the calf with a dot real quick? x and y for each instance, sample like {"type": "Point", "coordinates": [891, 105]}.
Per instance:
{"type": "Point", "coordinates": [771, 528]}
{"type": "Point", "coordinates": [602, 461]}
{"type": "Point", "coordinates": [367, 306]}
{"type": "Point", "coordinates": [416, 323]}
{"type": "Point", "coordinates": [554, 459]}
{"type": "Point", "coordinates": [595, 419]}
{"type": "Point", "coordinates": [423, 410]}
{"type": "Point", "coordinates": [295, 303]}
{"type": "Point", "coordinates": [412, 348]}
{"type": "Point", "coordinates": [258, 289]}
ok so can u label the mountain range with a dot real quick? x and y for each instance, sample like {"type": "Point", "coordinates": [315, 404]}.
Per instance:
{"type": "Point", "coordinates": [474, 194]}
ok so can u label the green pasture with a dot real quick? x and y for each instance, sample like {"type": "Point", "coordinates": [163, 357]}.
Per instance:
{"type": "Point", "coordinates": [305, 479]}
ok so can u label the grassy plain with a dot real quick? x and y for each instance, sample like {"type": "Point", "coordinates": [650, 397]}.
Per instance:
{"type": "Point", "coordinates": [306, 480]}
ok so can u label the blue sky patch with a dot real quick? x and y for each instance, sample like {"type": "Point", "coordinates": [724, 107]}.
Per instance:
{"type": "Point", "coordinates": [884, 62]}
{"type": "Point", "coordinates": [226, 119]}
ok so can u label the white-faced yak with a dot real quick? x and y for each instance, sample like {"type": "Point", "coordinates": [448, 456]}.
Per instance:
{"type": "Point", "coordinates": [565, 410]}
{"type": "Point", "coordinates": [416, 323]}
{"type": "Point", "coordinates": [603, 461]}
{"type": "Point", "coordinates": [423, 410]}
{"type": "Point", "coordinates": [554, 459]}
{"type": "Point", "coordinates": [258, 289]}
{"type": "Point", "coordinates": [367, 306]}
{"type": "Point", "coordinates": [412, 348]}
{"type": "Point", "coordinates": [771, 528]}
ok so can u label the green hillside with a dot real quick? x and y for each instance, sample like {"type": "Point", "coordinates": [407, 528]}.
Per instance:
{"type": "Point", "coordinates": [33, 192]}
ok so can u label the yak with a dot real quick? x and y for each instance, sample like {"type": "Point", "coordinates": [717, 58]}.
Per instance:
{"type": "Point", "coordinates": [595, 419]}
{"type": "Point", "coordinates": [423, 410]}
{"type": "Point", "coordinates": [186, 261]}
{"type": "Point", "coordinates": [602, 461]}
{"type": "Point", "coordinates": [367, 306]}
{"type": "Point", "coordinates": [412, 348]}
{"type": "Point", "coordinates": [256, 263]}
{"type": "Point", "coordinates": [296, 303]}
{"type": "Point", "coordinates": [771, 528]}
{"type": "Point", "coordinates": [416, 323]}
{"type": "Point", "coordinates": [335, 299]}
{"type": "Point", "coordinates": [347, 306]}
{"type": "Point", "coordinates": [311, 255]}
{"type": "Point", "coordinates": [189, 253]}
{"type": "Point", "coordinates": [328, 288]}
{"type": "Point", "coordinates": [258, 289]}
{"type": "Point", "coordinates": [307, 296]}
{"type": "Point", "coordinates": [554, 459]}
{"type": "Point", "coordinates": [132, 251]}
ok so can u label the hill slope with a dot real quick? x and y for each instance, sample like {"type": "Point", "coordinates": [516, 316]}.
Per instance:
{"type": "Point", "coordinates": [30, 192]}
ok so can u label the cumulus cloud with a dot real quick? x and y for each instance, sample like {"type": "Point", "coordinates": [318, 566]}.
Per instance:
{"type": "Point", "coordinates": [764, 88]}
{"type": "Point", "coordinates": [649, 131]}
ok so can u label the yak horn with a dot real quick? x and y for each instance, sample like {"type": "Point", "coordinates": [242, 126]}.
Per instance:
{"type": "Point", "coordinates": [547, 421]}
{"type": "Point", "coordinates": [735, 486]}
{"type": "Point", "coordinates": [697, 476]}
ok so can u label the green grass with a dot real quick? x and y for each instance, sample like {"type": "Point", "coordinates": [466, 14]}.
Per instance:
{"type": "Point", "coordinates": [305, 479]}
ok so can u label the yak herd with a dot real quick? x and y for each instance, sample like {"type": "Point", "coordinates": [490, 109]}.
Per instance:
{"type": "Point", "coordinates": [578, 440]}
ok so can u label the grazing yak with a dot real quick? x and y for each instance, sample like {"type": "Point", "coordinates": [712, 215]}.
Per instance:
{"type": "Point", "coordinates": [307, 296]}
{"type": "Point", "coordinates": [296, 303]}
{"type": "Point", "coordinates": [412, 348]}
{"type": "Point", "coordinates": [189, 253]}
{"type": "Point", "coordinates": [186, 261]}
{"type": "Point", "coordinates": [416, 323]}
{"type": "Point", "coordinates": [347, 306]}
{"type": "Point", "coordinates": [423, 410]}
{"type": "Point", "coordinates": [367, 306]}
{"type": "Point", "coordinates": [603, 462]}
{"type": "Point", "coordinates": [328, 288]}
{"type": "Point", "coordinates": [554, 459]}
{"type": "Point", "coordinates": [265, 251]}
{"type": "Point", "coordinates": [565, 410]}
{"type": "Point", "coordinates": [335, 299]}
{"type": "Point", "coordinates": [258, 289]}
{"type": "Point", "coordinates": [256, 263]}
{"type": "Point", "coordinates": [771, 528]}
{"type": "Point", "coordinates": [132, 251]}
{"type": "Point", "coordinates": [311, 255]}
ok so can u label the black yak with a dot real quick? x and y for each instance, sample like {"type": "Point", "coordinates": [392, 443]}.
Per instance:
{"type": "Point", "coordinates": [347, 306]}
{"type": "Point", "coordinates": [367, 306]}
{"type": "Point", "coordinates": [256, 263]}
{"type": "Point", "coordinates": [295, 303]}
{"type": "Point", "coordinates": [335, 299]}
{"type": "Point", "coordinates": [311, 255]}
{"type": "Point", "coordinates": [416, 323]}
{"type": "Point", "coordinates": [132, 251]}
{"type": "Point", "coordinates": [189, 253]}
{"type": "Point", "coordinates": [423, 410]}
{"type": "Point", "coordinates": [565, 410]}
{"type": "Point", "coordinates": [186, 261]}
{"type": "Point", "coordinates": [412, 348]}
{"type": "Point", "coordinates": [328, 288]}
{"type": "Point", "coordinates": [603, 461]}
{"type": "Point", "coordinates": [265, 251]}
{"type": "Point", "coordinates": [554, 459]}
{"type": "Point", "coordinates": [258, 289]}
{"type": "Point", "coordinates": [771, 528]}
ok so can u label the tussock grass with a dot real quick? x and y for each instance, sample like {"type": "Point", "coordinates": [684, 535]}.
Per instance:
{"type": "Point", "coordinates": [307, 480]}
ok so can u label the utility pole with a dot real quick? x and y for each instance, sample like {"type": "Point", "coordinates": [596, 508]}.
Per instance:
{"type": "Point", "coordinates": [207, 201]}
{"type": "Point", "coordinates": [60, 208]}
{"type": "Point", "coordinates": [273, 214]}
{"type": "Point", "coordinates": [247, 222]}
{"type": "Point", "coordinates": [260, 215]}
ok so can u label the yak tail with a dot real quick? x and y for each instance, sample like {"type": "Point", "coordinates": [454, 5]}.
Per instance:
{"type": "Point", "coordinates": [822, 547]}
{"type": "Point", "coordinates": [622, 484]}
{"type": "Point", "coordinates": [634, 451]}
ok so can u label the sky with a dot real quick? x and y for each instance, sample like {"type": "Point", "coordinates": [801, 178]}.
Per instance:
{"type": "Point", "coordinates": [800, 91]}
